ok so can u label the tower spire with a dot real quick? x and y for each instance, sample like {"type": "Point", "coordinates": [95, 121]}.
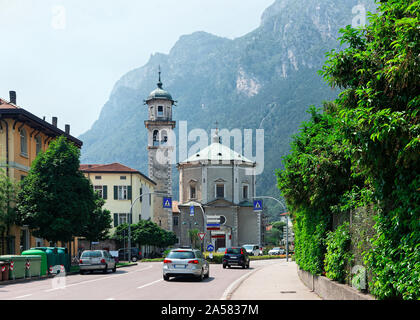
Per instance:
{"type": "Point", "coordinates": [159, 84]}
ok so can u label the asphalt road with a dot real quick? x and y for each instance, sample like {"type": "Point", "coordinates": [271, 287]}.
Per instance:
{"type": "Point", "coordinates": [141, 282]}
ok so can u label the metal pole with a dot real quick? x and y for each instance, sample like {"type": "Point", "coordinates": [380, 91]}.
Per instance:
{"type": "Point", "coordinates": [287, 238]}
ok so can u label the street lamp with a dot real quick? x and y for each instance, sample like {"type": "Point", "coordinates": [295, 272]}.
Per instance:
{"type": "Point", "coordinates": [204, 220]}
{"type": "Point", "coordinates": [131, 215]}
{"type": "Point", "coordinates": [287, 222]}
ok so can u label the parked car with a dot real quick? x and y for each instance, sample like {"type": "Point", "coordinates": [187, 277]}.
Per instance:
{"type": "Point", "coordinates": [276, 251]}
{"type": "Point", "coordinates": [261, 251]}
{"type": "Point", "coordinates": [236, 256]}
{"type": "Point", "coordinates": [185, 262]}
{"type": "Point", "coordinates": [135, 254]}
{"type": "Point", "coordinates": [221, 250]}
{"type": "Point", "coordinates": [92, 260]}
{"type": "Point", "coordinates": [252, 249]}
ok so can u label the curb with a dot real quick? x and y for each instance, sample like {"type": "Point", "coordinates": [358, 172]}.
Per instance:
{"type": "Point", "coordinates": [22, 280]}
{"type": "Point", "coordinates": [128, 265]}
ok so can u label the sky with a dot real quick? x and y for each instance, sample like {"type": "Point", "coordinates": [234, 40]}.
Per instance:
{"type": "Point", "coordinates": [63, 57]}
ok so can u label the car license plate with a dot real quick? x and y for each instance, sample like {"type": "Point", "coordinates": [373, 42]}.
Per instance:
{"type": "Point", "coordinates": [179, 266]}
{"type": "Point", "coordinates": [234, 257]}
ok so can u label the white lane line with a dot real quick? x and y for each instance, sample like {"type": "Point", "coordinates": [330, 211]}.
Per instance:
{"type": "Point", "coordinates": [26, 295]}
{"type": "Point", "coordinates": [94, 280]}
{"type": "Point", "coordinates": [149, 284]}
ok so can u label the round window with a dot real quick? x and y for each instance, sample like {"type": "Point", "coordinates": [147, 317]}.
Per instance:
{"type": "Point", "coordinates": [222, 219]}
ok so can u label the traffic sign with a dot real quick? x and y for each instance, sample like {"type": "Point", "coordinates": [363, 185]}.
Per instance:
{"type": "Point", "coordinates": [201, 235]}
{"type": "Point", "coordinates": [257, 205]}
{"type": "Point", "coordinates": [167, 203]}
{"type": "Point", "coordinates": [213, 222]}
{"type": "Point", "coordinates": [192, 211]}
{"type": "Point", "coordinates": [210, 248]}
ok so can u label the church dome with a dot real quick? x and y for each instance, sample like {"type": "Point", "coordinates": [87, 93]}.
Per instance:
{"type": "Point", "coordinates": [159, 93]}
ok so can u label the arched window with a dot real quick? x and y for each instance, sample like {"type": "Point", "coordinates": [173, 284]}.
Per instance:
{"type": "Point", "coordinates": [23, 142]}
{"type": "Point", "coordinates": [38, 142]}
{"type": "Point", "coordinates": [155, 138]}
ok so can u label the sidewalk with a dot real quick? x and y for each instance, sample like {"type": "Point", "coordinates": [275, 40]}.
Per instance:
{"type": "Point", "coordinates": [277, 281]}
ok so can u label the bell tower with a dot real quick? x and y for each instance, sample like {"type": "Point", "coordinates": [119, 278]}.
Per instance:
{"type": "Point", "coordinates": [160, 148]}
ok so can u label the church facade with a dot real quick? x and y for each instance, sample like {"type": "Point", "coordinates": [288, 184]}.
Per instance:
{"type": "Point", "coordinates": [217, 188]}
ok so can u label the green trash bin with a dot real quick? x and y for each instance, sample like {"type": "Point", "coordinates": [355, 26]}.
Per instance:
{"type": "Point", "coordinates": [17, 271]}
{"type": "Point", "coordinates": [53, 262]}
{"type": "Point", "coordinates": [43, 254]}
{"type": "Point", "coordinates": [64, 258]}
{"type": "Point", "coordinates": [32, 266]}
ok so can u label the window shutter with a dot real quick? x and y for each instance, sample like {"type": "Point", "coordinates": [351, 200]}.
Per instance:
{"type": "Point", "coordinates": [115, 220]}
{"type": "Point", "coordinates": [129, 191]}
{"type": "Point", "coordinates": [115, 192]}
{"type": "Point", "coordinates": [105, 192]}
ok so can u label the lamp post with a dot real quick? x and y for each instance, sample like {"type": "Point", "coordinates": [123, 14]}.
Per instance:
{"type": "Point", "coordinates": [204, 220]}
{"type": "Point", "coordinates": [131, 214]}
{"type": "Point", "coordinates": [287, 221]}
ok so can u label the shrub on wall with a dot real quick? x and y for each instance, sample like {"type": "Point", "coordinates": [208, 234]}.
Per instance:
{"type": "Point", "coordinates": [338, 255]}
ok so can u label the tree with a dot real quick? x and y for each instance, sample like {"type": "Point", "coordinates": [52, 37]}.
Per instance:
{"type": "Point", "coordinates": [8, 192]}
{"type": "Point", "coordinates": [99, 222]}
{"type": "Point", "coordinates": [193, 234]}
{"type": "Point", "coordinates": [55, 199]}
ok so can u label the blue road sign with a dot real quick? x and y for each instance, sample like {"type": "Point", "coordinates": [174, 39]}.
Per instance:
{"type": "Point", "coordinates": [210, 248]}
{"type": "Point", "coordinates": [192, 211]}
{"type": "Point", "coordinates": [167, 203]}
{"type": "Point", "coordinates": [258, 205]}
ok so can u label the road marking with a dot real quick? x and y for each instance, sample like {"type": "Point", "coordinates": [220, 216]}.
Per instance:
{"type": "Point", "coordinates": [26, 295]}
{"type": "Point", "coordinates": [110, 299]}
{"type": "Point", "coordinates": [149, 284]}
{"type": "Point", "coordinates": [94, 280]}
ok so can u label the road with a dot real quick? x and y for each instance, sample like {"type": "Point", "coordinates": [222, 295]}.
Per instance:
{"type": "Point", "coordinates": [141, 282]}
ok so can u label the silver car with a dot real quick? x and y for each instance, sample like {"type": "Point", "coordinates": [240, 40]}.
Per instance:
{"type": "Point", "coordinates": [92, 260]}
{"type": "Point", "coordinates": [185, 262]}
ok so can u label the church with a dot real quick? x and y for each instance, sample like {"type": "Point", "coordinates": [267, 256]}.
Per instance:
{"type": "Point", "coordinates": [217, 185]}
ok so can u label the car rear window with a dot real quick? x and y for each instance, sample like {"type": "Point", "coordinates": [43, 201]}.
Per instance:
{"type": "Point", "coordinates": [234, 250]}
{"type": "Point", "coordinates": [249, 247]}
{"type": "Point", "coordinates": [91, 254]}
{"type": "Point", "coordinates": [181, 255]}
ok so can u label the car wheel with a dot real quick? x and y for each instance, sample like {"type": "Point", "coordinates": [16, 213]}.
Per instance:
{"type": "Point", "coordinates": [247, 266]}
{"type": "Point", "coordinates": [134, 259]}
{"type": "Point", "coordinates": [115, 268]}
{"type": "Point", "coordinates": [81, 272]}
{"type": "Point", "coordinates": [105, 270]}
{"type": "Point", "coordinates": [224, 266]}
{"type": "Point", "coordinates": [244, 265]}
{"type": "Point", "coordinates": [165, 277]}
{"type": "Point", "coordinates": [208, 273]}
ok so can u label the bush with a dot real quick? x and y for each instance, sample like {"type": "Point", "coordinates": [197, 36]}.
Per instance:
{"type": "Point", "coordinates": [338, 255]}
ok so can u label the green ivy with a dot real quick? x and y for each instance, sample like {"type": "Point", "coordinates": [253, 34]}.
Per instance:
{"type": "Point", "coordinates": [338, 255]}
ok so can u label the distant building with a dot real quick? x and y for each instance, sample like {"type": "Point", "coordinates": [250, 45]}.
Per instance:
{"type": "Point", "coordinates": [217, 186]}
{"type": "Point", "coordinates": [22, 136]}
{"type": "Point", "coordinates": [120, 186]}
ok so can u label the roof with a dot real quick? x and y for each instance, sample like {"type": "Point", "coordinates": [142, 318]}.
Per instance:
{"type": "Point", "coordinates": [111, 168]}
{"type": "Point", "coordinates": [175, 208]}
{"type": "Point", "coordinates": [217, 152]}
{"type": "Point", "coordinates": [12, 111]}
{"type": "Point", "coordinates": [159, 93]}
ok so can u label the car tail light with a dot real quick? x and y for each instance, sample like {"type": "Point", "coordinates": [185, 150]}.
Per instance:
{"type": "Point", "coordinates": [103, 261]}
{"type": "Point", "coordinates": [167, 261]}
{"type": "Point", "coordinates": [225, 251]}
{"type": "Point", "coordinates": [242, 251]}
{"type": "Point", "coordinates": [80, 261]}
{"type": "Point", "coordinates": [139, 253]}
{"type": "Point", "coordinates": [193, 261]}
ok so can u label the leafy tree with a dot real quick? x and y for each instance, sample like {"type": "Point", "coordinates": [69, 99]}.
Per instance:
{"type": "Point", "coordinates": [99, 222]}
{"type": "Point", "coordinates": [55, 199]}
{"type": "Point", "coordinates": [193, 234]}
{"type": "Point", "coordinates": [8, 192]}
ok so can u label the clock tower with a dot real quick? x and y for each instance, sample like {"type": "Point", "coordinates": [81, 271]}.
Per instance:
{"type": "Point", "coordinates": [160, 148]}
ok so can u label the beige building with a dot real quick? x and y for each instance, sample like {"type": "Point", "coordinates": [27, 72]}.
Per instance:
{"type": "Point", "coordinates": [122, 187]}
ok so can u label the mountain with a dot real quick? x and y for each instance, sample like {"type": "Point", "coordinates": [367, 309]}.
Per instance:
{"type": "Point", "coordinates": [266, 79]}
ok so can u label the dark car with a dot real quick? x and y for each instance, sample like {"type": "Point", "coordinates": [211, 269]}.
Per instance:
{"type": "Point", "coordinates": [135, 254]}
{"type": "Point", "coordinates": [236, 256]}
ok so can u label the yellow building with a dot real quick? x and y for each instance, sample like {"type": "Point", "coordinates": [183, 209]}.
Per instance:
{"type": "Point", "coordinates": [122, 187]}
{"type": "Point", "coordinates": [22, 136]}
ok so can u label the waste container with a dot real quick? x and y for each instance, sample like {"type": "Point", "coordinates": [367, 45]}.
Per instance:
{"type": "Point", "coordinates": [52, 257]}
{"type": "Point", "coordinates": [32, 266]}
{"type": "Point", "coordinates": [4, 271]}
{"type": "Point", "coordinates": [43, 254]}
{"type": "Point", "coordinates": [64, 258]}
{"type": "Point", "coordinates": [16, 271]}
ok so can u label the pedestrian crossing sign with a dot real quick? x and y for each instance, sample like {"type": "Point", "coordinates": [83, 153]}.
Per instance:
{"type": "Point", "coordinates": [167, 203]}
{"type": "Point", "coordinates": [257, 205]}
